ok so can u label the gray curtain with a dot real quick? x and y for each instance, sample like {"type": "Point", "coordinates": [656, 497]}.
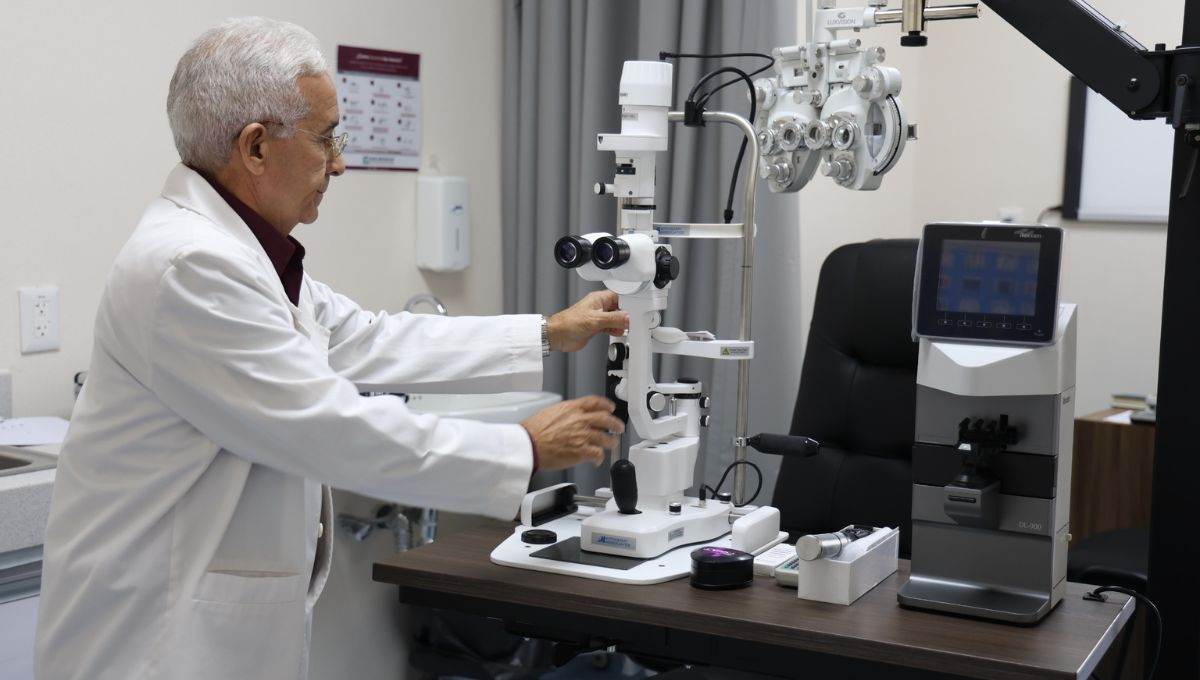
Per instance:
{"type": "Point", "coordinates": [563, 61]}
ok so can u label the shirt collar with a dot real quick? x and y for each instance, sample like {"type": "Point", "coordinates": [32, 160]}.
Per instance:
{"type": "Point", "coordinates": [281, 250]}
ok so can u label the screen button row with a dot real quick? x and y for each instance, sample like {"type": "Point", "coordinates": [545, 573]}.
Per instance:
{"type": "Point", "coordinates": [1000, 325]}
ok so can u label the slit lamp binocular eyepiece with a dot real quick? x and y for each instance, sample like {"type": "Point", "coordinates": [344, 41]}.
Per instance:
{"type": "Point", "coordinates": [606, 252]}
{"type": "Point", "coordinates": [630, 258]}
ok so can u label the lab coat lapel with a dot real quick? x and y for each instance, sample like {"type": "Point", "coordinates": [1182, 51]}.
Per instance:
{"type": "Point", "coordinates": [187, 189]}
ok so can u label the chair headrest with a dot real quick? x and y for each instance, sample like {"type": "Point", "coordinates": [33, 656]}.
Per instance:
{"type": "Point", "coordinates": [864, 301]}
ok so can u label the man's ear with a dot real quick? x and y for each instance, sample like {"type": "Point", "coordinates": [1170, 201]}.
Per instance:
{"type": "Point", "coordinates": [253, 145]}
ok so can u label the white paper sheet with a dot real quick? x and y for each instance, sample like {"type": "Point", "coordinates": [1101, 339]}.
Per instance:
{"type": "Point", "coordinates": [1121, 418]}
{"type": "Point", "coordinates": [32, 431]}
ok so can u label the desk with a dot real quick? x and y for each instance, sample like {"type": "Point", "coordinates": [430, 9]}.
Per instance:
{"type": "Point", "coordinates": [763, 628]}
{"type": "Point", "coordinates": [1112, 471]}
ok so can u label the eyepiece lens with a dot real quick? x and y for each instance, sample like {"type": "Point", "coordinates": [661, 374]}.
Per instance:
{"type": "Point", "coordinates": [609, 252]}
{"type": "Point", "coordinates": [604, 253]}
{"type": "Point", "coordinates": [567, 251]}
{"type": "Point", "coordinates": [572, 251]}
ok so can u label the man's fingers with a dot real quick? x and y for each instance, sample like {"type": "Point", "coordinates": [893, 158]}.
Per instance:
{"type": "Point", "coordinates": [610, 320]}
{"type": "Point", "coordinates": [594, 402]}
{"type": "Point", "coordinates": [608, 300]}
{"type": "Point", "coordinates": [604, 422]}
{"type": "Point", "coordinates": [595, 454]}
{"type": "Point", "coordinates": [614, 424]}
{"type": "Point", "coordinates": [603, 439]}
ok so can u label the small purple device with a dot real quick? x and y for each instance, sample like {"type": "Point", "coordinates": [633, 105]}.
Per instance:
{"type": "Point", "coordinates": [717, 568]}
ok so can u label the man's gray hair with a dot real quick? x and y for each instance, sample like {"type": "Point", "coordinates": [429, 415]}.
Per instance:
{"type": "Point", "coordinates": [240, 72]}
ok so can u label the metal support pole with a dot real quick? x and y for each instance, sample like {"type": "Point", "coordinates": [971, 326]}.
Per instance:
{"type": "Point", "coordinates": [1173, 555]}
{"type": "Point", "coordinates": [748, 201]}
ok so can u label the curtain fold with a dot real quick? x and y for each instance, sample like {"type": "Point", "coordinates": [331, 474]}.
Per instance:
{"type": "Point", "coordinates": [563, 61]}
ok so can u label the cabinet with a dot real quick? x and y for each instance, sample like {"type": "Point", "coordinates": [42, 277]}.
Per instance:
{"type": "Point", "coordinates": [1111, 476]}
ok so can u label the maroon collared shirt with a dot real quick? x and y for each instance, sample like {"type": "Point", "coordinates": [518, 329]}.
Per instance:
{"type": "Point", "coordinates": [286, 253]}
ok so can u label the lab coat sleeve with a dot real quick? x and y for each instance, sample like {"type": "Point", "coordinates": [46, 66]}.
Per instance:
{"type": "Point", "coordinates": [234, 363]}
{"type": "Point", "coordinates": [453, 354]}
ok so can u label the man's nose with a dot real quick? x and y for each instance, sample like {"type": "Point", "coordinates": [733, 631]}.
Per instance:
{"type": "Point", "coordinates": [337, 165]}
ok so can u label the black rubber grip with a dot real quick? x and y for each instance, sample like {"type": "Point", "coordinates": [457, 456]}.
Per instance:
{"type": "Point", "coordinates": [785, 444]}
{"type": "Point", "coordinates": [624, 487]}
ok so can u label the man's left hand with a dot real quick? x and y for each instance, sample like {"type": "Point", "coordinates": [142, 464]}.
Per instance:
{"type": "Point", "coordinates": [596, 312]}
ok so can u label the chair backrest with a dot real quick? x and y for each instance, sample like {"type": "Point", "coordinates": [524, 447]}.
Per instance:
{"type": "Point", "coordinates": [857, 396]}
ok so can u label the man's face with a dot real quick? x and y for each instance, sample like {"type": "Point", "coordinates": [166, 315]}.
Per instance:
{"type": "Point", "coordinates": [300, 167]}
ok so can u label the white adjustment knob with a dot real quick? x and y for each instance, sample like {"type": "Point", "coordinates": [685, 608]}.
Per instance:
{"type": "Point", "coordinates": [766, 141]}
{"type": "Point", "coordinates": [657, 401]}
{"type": "Point", "coordinates": [780, 172]}
{"type": "Point", "coordinates": [840, 169]}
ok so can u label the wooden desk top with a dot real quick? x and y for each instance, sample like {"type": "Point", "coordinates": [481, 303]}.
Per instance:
{"type": "Point", "coordinates": [1099, 417]}
{"type": "Point", "coordinates": [1066, 644]}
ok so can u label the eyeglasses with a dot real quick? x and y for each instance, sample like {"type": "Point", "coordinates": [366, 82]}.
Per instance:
{"type": "Point", "coordinates": [334, 144]}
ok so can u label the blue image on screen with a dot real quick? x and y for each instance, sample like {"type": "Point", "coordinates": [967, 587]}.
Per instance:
{"type": "Point", "coordinates": [985, 277]}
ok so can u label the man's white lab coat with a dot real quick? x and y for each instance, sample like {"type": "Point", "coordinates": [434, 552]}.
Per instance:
{"type": "Point", "coordinates": [189, 533]}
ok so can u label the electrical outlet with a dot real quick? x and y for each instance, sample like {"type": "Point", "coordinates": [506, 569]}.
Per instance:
{"type": "Point", "coordinates": [1011, 214]}
{"type": "Point", "coordinates": [5, 395]}
{"type": "Point", "coordinates": [39, 319]}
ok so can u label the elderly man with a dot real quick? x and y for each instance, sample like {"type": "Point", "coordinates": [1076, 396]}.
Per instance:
{"type": "Point", "coordinates": [190, 532]}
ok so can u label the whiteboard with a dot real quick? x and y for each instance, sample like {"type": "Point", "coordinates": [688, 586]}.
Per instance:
{"type": "Point", "coordinates": [1123, 166]}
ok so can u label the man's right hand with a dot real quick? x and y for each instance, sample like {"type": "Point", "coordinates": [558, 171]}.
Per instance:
{"type": "Point", "coordinates": [572, 432]}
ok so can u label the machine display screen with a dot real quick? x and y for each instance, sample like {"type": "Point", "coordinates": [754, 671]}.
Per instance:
{"type": "Point", "coordinates": [984, 282]}
{"type": "Point", "coordinates": [996, 278]}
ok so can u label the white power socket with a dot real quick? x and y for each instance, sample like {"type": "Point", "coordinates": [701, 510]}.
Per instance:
{"type": "Point", "coordinates": [5, 394]}
{"type": "Point", "coordinates": [1011, 214]}
{"type": "Point", "coordinates": [39, 319]}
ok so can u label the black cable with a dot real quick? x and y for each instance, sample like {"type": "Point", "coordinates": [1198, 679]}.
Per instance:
{"type": "Point", "coordinates": [728, 469]}
{"type": "Point", "coordinates": [1052, 209]}
{"type": "Point", "coordinates": [663, 56]}
{"type": "Point", "coordinates": [737, 162]}
{"type": "Point", "coordinates": [1098, 595]}
{"type": "Point", "coordinates": [727, 83]}
{"type": "Point", "coordinates": [698, 106]}
{"type": "Point", "coordinates": [713, 74]}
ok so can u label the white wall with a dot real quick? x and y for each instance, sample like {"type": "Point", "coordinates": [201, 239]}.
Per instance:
{"type": "Point", "coordinates": [86, 146]}
{"type": "Point", "coordinates": [992, 110]}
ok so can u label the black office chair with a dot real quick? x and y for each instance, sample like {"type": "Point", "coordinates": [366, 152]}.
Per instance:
{"type": "Point", "coordinates": [857, 397]}
{"type": "Point", "coordinates": [1117, 557]}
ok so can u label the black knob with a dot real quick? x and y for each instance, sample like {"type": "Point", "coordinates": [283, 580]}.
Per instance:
{"type": "Point", "coordinates": [539, 536]}
{"type": "Point", "coordinates": [913, 39]}
{"type": "Point", "coordinates": [675, 508]}
{"type": "Point", "coordinates": [624, 487]}
{"type": "Point", "coordinates": [610, 390]}
{"type": "Point", "coordinates": [666, 267]}
{"type": "Point", "coordinates": [705, 420]}
{"type": "Point", "coordinates": [724, 497]}
{"type": "Point", "coordinates": [617, 351]}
